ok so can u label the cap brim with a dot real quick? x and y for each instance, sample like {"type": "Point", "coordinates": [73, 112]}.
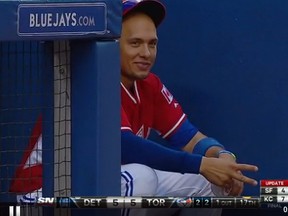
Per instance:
{"type": "Point", "coordinates": [154, 9]}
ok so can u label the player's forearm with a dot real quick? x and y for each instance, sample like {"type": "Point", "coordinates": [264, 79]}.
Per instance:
{"type": "Point", "coordinates": [138, 150]}
{"type": "Point", "coordinates": [191, 140]}
{"type": "Point", "coordinates": [211, 152]}
{"type": "Point", "coordinates": [215, 149]}
{"type": "Point", "coordinates": [206, 146]}
{"type": "Point", "coordinates": [191, 144]}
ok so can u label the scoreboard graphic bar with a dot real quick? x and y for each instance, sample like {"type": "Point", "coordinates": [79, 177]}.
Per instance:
{"type": "Point", "coordinates": [151, 202]}
{"type": "Point", "coordinates": [273, 194]}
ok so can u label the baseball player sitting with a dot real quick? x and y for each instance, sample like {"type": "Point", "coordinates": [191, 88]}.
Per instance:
{"type": "Point", "coordinates": [197, 165]}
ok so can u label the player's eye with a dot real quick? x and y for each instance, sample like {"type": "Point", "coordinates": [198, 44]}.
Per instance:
{"type": "Point", "coordinates": [135, 43]}
{"type": "Point", "coordinates": [153, 44]}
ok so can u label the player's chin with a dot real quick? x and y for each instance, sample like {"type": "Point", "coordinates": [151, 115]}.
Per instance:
{"type": "Point", "coordinates": [142, 74]}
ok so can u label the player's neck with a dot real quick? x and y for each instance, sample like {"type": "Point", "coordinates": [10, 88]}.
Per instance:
{"type": "Point", "coordinates": [129, 84]}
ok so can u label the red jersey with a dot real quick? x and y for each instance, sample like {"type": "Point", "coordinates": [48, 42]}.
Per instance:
{"type": "Point", "coordinates": [150, 105]}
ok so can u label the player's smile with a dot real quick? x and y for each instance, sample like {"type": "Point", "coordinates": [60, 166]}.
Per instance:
{"type": "Point", "coordinates": [143, 66]}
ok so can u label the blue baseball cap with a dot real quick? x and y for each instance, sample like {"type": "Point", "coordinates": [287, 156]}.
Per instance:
{"type": "Point", "coordinates": [153, 8]}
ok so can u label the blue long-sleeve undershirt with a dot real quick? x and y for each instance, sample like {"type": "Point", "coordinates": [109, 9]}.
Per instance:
{"type": "Point", "coordinates": [138, 150]}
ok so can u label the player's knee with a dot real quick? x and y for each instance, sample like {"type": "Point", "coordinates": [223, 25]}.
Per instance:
{"type": "Point", "coordinates": [209, 189]}
{"type": "Point", "coordinates": [203, 185]}
{"type": "Point", "coordinates": [138, 180]}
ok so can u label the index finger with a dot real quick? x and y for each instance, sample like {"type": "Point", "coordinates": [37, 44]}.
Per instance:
{"type": "Point", "coordinates": [246, 167]}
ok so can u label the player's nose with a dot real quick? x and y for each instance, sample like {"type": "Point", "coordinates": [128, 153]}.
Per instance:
{"type": "Point", "coordinates": [145, 51]}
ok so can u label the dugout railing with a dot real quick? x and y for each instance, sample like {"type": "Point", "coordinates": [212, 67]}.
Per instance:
{"type": "Point", "coordinates": [60, 64]}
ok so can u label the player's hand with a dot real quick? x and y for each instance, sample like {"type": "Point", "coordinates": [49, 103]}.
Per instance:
{"type": "Point", "coordinates": [222, 172]}
{"type": "Point", "coordinates": [236, 187]}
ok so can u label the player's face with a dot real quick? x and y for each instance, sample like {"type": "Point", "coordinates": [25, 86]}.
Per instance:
{"type": "Point", "coordinates": [138, 47]}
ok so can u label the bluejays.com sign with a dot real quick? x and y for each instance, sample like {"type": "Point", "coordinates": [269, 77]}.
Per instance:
{"type": "Point", "coordinates": [61, 19]}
